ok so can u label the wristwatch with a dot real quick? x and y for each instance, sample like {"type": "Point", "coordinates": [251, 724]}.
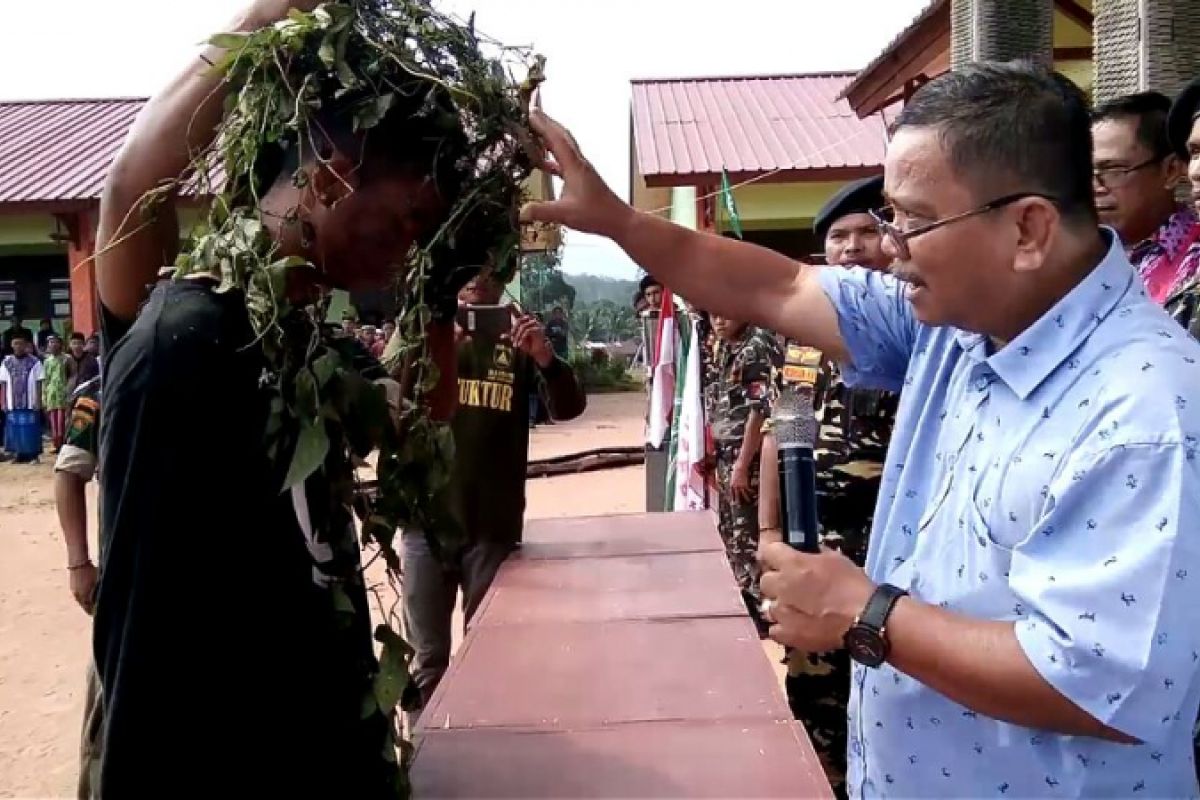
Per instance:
{"type": "Point", "coordinates": [866, 641]}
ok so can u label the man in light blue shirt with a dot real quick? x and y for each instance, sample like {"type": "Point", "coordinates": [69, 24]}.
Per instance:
{"type": "Point", "coordinates": [1027, 624]}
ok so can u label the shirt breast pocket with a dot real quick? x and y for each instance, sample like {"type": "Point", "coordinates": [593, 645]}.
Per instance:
{"type": "Point", "coordinates": [995, 522]}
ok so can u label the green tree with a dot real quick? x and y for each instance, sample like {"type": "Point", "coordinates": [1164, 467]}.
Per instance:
{"type": "Point", "coordinates": [543, 284]}
{"type": "Point", "coordinates": [603, 321]}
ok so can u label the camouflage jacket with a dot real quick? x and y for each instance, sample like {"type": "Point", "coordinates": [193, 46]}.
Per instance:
{"type": "Point", "coordinates": [743, 375]}
{"type": "Point", "coordinates": [856, 425]}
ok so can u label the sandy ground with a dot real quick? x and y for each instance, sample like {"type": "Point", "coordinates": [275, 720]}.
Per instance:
{"type": "Point", "coordinates": [44, 637]}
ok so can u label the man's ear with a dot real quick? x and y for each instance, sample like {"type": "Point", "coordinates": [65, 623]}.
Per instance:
{"type": "Point", "coordinates": [1174, 171]}
{"type": "Point", "coordinates": [1037, 224]}
{"type": "Point", "coordinates": [333, 179]}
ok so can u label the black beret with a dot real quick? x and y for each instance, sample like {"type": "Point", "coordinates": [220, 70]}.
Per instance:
{"type": "Point", "coordinates": [853, 198]}
{"type": "Point", "coordinates": [1183, 114]}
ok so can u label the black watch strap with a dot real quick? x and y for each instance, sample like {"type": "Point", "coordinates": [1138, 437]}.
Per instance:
{"type": "Point", "coordinates": [879, 607]}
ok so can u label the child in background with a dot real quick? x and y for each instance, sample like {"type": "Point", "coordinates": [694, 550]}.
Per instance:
{"type": "Point", "coordinates": [56, 371]}
{"type": "Point", "coordinates": [21, 390]}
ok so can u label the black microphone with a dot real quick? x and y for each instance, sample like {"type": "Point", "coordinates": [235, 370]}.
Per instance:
{"type": "Point", "coordinates": [795, 428]}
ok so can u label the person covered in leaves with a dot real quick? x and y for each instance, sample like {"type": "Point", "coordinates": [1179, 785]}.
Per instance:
{"type": "Point", "coordinates": [232, 633]}
{"type": "Point", "coordinates": [737, 403]}
{"type": "Point", "coordinates": [854, 428]}
{"type": "Point", "coordinates": [496, 378]}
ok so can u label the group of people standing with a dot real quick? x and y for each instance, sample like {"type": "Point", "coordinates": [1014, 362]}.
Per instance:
{"type": "Point", "coordinates": [1140, 159]}
{"type": "Point", "coordinates": [38, 380]}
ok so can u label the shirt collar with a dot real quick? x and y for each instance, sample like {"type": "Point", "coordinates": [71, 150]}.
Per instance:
{"type": "Point", "coordinates": [1025, 362]}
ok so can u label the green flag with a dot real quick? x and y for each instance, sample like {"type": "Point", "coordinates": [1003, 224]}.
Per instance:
{"type": "Point", "coordinates": [735, 222]}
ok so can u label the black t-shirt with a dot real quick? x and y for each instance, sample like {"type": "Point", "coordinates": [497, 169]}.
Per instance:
{"type": "Point", "coordinates": [491, 439]}
{"type": "Point", "coordinates": [226, 669]}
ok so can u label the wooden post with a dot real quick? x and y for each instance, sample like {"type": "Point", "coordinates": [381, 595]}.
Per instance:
{"type": "Point", "coordinates": [80, 249]}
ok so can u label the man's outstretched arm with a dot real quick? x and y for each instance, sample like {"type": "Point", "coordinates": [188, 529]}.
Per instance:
{"type": "Point", "coordinates": [723, 276]}
{"type": "Point", "coordinates": [179, 122]}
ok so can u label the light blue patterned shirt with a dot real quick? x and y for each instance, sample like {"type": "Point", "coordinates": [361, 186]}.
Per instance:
{"type": "Point", "coordinates": [1053, 483]}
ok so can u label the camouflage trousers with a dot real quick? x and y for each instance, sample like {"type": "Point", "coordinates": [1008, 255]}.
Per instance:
{"type": "Point", "coordinates": [737, 521]}
{"type": "Point", "coordinates": [818, 684]}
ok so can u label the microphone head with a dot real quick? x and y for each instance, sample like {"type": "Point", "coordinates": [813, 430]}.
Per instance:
{"type": "Point", "coordinates": [793, 418]}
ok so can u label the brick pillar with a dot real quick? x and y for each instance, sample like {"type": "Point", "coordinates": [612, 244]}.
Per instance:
{"type": "Point", "coordinates": [1145, 44]}
{"type": "Point", "coordinates": [1001, 30]}
{"type": "Point", "coordinates": [84, 301]}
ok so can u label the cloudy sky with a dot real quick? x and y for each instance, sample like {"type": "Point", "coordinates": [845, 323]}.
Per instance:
{"type": "Point", "coordinates": [101, 48]}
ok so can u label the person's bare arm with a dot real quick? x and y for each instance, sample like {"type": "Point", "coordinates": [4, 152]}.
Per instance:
{"type": "Point", "coordinates": [70, 498]}
{"type": "Point", "coordinates": [727, 277]}
{"type": "Point", "coordinates": [180, 121]}
{"type": "Point", "coordinates": [769, 529]}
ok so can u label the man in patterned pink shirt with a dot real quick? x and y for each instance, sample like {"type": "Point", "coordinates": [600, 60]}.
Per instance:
{"type": "Point", "coordinates": [1136, 171]}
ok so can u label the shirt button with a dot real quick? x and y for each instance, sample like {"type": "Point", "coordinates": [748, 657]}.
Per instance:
{"type": "Point", "coordinates": [981, 383]}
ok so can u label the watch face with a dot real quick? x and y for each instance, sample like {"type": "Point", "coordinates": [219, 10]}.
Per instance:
{"type": "Point", "coordinates": [866, 646]}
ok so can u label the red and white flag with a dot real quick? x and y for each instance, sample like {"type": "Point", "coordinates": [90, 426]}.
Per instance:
{"type": "Point", "coordinates": [662, 376]}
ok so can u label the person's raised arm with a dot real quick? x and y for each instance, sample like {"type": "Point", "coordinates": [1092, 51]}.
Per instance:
{"type": "Point", "coordinates": [727, 277]}
{"type": "Point", "coordinates": [179, 122]}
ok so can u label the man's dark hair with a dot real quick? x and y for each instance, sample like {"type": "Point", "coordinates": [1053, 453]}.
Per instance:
{"type": "Point", "coordinates": [47, 322]}
{"type": "Point", "coordinates": [1149, 110]}
{"type": "Point", "coordinates": [77, 336]}
{"type": "Point", "coordinates": [1011, 127]}
{"type": "Point", "coordinates": [420, 134]}
{"type": "Point", "coordinates": [646, 282]}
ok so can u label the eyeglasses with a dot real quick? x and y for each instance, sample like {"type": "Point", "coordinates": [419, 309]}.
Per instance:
{"type": "Point", "coordinates": [886, 216]}
{"type": "Point", "coordinates": [1115, 177]}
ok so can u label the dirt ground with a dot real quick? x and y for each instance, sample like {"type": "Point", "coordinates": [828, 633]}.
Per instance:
{"type": "Point", "coordinates": [44, 637]}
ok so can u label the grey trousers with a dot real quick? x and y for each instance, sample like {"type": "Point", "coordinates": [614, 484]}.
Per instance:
{"type": "Point", "coordinates": [430, 591]}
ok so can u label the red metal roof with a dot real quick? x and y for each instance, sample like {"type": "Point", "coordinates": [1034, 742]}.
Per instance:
{"type": "Point", "coordinates": [751, 125]}
{"type": "Point", "coordinates": [58, 151]}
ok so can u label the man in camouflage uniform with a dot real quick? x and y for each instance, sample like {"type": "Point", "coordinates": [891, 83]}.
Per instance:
{"type": "Point", "coordinates": [76, 466]}
{"type": "Point", "coordinates": [854, 429]}
{"type": "Point", "coordinates": [737, 404]}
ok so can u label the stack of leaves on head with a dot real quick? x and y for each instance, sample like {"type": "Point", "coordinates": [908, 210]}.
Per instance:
{"type": "Point", "coordinates": [366, 58]}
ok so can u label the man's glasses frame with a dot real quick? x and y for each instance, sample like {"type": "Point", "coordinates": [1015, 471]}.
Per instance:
{"type": "Point", "coordinates": [900, 238]}
{"type": "Point", "coordinates": [1115, 177]}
